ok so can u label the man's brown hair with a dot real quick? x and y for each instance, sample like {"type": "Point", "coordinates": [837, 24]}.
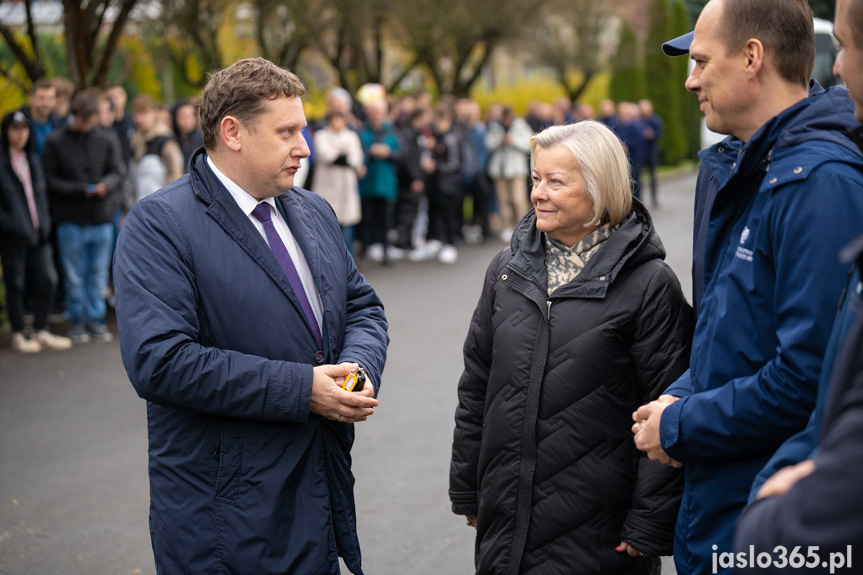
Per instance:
{"type": "Point", "coordinates": [42, 84]}
{"type": "Point", "coordinates": [240, 90]}
{"type": "Point", "coordinates": [85, 103]}
{"type": "Point", "coordinates": [144, 103]}
{"type": "Point", "coordinates": [784, 28]}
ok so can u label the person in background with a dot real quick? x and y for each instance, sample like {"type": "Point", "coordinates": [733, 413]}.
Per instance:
{"type": "Point", "coordinates": [774, 203]}
{"type": "Point", "coordinates": [25, 249]}
{"type": "Point", "coordinates": [184, 121]}
{"type": "Point", "coordinates": [608, 114]}
{"type": "Point", "coordinates": [339, 167]}
{"type": "Point", "coordinates": [508, 143]}
{"type": "Point", "coordinates": [40, 111]}
{"type": "Point", "coordinates": [813, 499]}
{"type": "Point", "coordinates": [64, 89]}
{"type": "Point", "coordinates": [123, 124]}
{"type": "Point", "coordinates": [379, 186]}
{"type": "Point", "coordinates": [412, 184]}
{"type": "Point", "coordinates": [652, 133]}
{"type": "Point", "coordinates": [474, 179]}
{"type": "Point", "coordinates": [124, 128]}
{"type": "Point", "coordinates": [240, 314]}
{"type": "Point", "coordinates": [630, 129]}
{"type": "Point", "coordinates": [564, 113]}
{"type": "Point", "coordinates": [445, 188]}
{"type": "Point", "coordinates": [583, 112]}
{"type": "Point", "coordinates": [579, 321]}
{"type": "Point", "coordinates": [157, 155]}
{"type": "Point", "coordinates": [84, 170]}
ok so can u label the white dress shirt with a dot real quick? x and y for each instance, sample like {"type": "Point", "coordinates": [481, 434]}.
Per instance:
{"type": "Point", "coordinates": [248, 204]}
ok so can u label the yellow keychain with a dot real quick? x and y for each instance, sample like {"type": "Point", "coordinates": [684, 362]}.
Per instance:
{"type": "Point", "coordinates": [355, 381]}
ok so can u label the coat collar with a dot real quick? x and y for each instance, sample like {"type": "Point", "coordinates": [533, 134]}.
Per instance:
{"type": "Point", "coordinates": [633, 242]}
{"type": "Point", "coordinates": [225, 211]}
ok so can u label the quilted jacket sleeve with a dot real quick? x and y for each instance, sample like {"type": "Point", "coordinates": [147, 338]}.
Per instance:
{"type": "Point", "coordinates": [660, 354]}
{"type": "Point", "coordinates": [467, 437]}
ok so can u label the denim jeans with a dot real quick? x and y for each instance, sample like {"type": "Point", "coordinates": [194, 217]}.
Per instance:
{"type": "Point", "coordinates": [85, 252]}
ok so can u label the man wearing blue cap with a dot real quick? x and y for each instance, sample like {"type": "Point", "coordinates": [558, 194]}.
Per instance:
{"type": "Point", "coordinates": [775, 203]}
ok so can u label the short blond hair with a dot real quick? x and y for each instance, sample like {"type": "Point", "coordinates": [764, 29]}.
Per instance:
{"type": "Point", "coordinates": [601, 161]}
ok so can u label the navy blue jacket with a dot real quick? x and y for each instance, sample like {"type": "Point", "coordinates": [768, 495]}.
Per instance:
{"type": "Point", "coordinates": [771, 216]}
{"type": "Point", "coordinates": [802, 445]}
{"type": "Point", "coordinates": [823, 509]}
{"type": "Point", "coordinates": [243, 478]}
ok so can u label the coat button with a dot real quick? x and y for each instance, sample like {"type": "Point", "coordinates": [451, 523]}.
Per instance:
{"type": "Point", "coordinates": [798, 169]}
{"type": "Point", "coordinates": [319, 357]}
{"type": "Point", "coordinates": [773, 180]}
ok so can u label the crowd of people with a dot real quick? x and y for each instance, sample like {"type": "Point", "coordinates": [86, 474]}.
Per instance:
{"type": "Point", "coordinates": [407, 178]}
{"type": "Point", "coordinates": [71, 165]}
{"type": "Point", "coordinates": [419, 168]}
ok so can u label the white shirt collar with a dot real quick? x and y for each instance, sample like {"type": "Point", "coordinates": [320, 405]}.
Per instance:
{"type": "Point", "coordinates": [245, 200]}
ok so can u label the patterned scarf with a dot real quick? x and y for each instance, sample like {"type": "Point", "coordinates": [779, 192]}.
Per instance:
{"type": "Point", "coordinates": [563, 263]}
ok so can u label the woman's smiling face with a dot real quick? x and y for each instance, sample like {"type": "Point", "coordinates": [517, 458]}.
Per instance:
{"type": "Point", "coordinates": [559, 196]}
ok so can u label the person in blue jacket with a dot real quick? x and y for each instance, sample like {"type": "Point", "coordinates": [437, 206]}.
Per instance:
{"type": "Point", "coordinates": [240, 313]}
{"type": "Point", "coordinates": [775, 202]}
{"type": "Point", "coordinates": [814, 501]}
{"type": "Point", "coordinates": [801, 445]}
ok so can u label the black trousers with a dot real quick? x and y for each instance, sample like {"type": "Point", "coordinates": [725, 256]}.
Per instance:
{"type": "Point", "coordinates": [407, 208]}
{"type": "Point", "coordinates": [32, 267]}
{"type": "Point", "coordinates": [376, 222]}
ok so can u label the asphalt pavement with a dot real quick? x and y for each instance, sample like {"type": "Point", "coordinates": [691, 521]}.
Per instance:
{"type": "Point", "coordinates": [73, 436]}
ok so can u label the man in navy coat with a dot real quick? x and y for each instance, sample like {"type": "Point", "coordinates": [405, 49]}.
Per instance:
{"type": "Point", "coordinates": [240, 313]}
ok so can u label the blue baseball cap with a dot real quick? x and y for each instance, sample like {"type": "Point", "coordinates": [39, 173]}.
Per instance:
{"type": "Point", "coordinates": [679, 46]}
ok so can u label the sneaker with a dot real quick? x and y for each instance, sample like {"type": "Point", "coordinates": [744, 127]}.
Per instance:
{"type": "Point", "coordinates": [78, 334]}
{"type": "Point", "coordinates": [23, 344]}
{"type": "Point", "coordinates": [395, 253]}
{"type": "Point", "coordinates": [375, 253]}
{"type": "Point", "coordinates": [434, 246]}
{"type": "Point", "coordinates": [100, 333]}
{"type": "Point", "coordinates": [473, 235]}
{"type": "Point", "coordinates": [419, 254]}
{"type": "Point", "coordinates": [448, 255]}
{"type": "Point", "coordinates": [50, 341]}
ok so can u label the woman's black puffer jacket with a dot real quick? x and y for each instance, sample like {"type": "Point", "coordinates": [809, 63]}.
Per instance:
{"type": "Point", "coordinates": [543, 450]}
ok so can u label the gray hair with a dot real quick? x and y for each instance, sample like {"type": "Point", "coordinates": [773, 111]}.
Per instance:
{"type": "Point", "coordinates": [602, 162]}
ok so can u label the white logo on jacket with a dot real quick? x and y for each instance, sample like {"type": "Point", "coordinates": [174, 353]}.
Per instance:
{"type": "Point", "coordinates": [743, 253]}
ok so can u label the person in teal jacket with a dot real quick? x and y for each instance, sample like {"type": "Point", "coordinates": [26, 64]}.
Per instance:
{"type": "Point", "coordinates": [775, 203]}
{"type": "Point", "coordinates": [379, 189]}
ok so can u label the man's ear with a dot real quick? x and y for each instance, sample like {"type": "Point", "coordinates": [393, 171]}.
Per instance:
{"type": "Point", "coordinates": [230, 130]}
{"type": "Point", "coordinates": [753, 51]}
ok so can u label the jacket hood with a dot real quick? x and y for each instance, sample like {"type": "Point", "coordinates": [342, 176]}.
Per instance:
{"type": "Point", "coordinates": [826, 115]}
{"type": "Point", "coordinates": [634, 242]}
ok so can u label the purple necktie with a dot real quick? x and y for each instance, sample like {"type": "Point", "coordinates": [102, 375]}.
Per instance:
{"type": "Point", "coordinates": [263, 214]}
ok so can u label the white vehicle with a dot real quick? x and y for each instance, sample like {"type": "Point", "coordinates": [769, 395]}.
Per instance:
{"type": "Point", "coordinates": [826, 49]}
